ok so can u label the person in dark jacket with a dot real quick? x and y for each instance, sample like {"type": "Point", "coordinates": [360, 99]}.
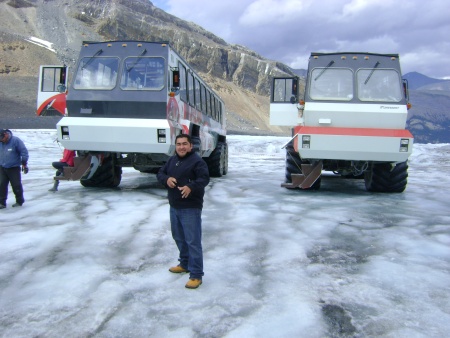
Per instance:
{"type": "Point", "coordinates": [13, 156]}
{"type": "Point", "coordinates": [186, 175]}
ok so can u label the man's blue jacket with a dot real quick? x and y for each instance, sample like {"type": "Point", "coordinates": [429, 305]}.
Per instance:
{"type": "Point", "coordinates": [13, 153]}
{"type": "Point", "coordinates": [189, 170]}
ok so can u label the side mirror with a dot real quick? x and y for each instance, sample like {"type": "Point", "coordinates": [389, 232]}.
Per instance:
{"type": "Point", "coordinates": [406, 89]}
{"type": "Point", "coordinates": [176, 78]}
{"type": "Point", "coordinates": [61, 88]}
{"type": "Point", "coordinates": [295, 86]}
{"type": "Point", "coordinates": [294, 91]}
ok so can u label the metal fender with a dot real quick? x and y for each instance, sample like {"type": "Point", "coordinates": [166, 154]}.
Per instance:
{"type": "Point", "coordinates": [57, 102]}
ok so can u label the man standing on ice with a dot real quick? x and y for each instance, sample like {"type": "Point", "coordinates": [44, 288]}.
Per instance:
{"type": "Point", "coordinates": [186, 175]}
{"type": "Point", "coordinates": [13, 157]}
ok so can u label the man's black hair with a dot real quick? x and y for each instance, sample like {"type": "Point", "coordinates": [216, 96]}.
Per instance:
{"type": "Point", "coordinates": [183, 136]}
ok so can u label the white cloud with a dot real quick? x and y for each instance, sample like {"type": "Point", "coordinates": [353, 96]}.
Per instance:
{"type": "Point", "coordinates": [355, 7]}
{"type": "Point", "coordinates": [264, 12]}
{"type": "Point", "coordinates": [378, 44]}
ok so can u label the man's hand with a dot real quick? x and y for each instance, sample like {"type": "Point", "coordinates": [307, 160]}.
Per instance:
{"type": "Point", "coordinates": [25, 169]}
{"type": "Point", "coordinates": [171, 182]}
{"type": "Point", "coordinates": [185, 191]}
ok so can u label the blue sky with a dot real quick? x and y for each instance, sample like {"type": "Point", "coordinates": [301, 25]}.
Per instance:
{"type": "Point", "coordinates": [289, 30]}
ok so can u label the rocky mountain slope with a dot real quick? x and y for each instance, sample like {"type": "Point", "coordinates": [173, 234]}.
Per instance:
{"type": "Point", "coordinates": [239, 75]}
{"type": "Point", "coordinates": [429, 117]}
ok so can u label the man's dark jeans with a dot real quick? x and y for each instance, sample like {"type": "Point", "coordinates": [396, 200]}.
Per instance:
{"type": "Point", "coordinates": [186, 227]}
{"type": "Point", "coordinates": [13, 176]}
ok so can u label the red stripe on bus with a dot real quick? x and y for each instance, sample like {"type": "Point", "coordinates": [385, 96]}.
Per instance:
{"type": "Point", "coordinates": [353, 131]}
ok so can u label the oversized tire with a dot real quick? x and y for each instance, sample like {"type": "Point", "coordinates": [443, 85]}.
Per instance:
{"type": "Point", "coordinates": [218, 161]}
{"type": "Point", "coordinates": [293, 162]}
{"type": "Point", "coordinates": [108, 175]}
{"type": "Point", "coordinates": [382, 177]}
{"type": "Point", "coordinates": [225, 165]}
{"type": "Point", "coordinates": [293, 166]}
{"type": "Point", "coordinates": [196, 144]}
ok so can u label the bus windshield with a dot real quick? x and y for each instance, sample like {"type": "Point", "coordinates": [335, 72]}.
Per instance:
{"type": "Point", "coordinates": [97, 73]}
{"type": "Point", "coordinates": [331, 84]}
{"type": "Point", "coordinates": [379, 85]}
{"type": "Point", "coordinates": [143, 73]}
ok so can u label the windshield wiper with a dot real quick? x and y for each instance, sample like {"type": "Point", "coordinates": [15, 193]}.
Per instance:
{"type": "Point", "coordinates": [137, 60]}
{"type": "Point", "coordinates": [92, 58]}
{"type": "Point", "coordinates": [373, 69]}
{"type": "Point", "coordinates": [323, 70]}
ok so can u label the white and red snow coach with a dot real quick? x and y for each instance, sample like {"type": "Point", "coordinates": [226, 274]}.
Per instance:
{"type": "Point", "coordinates": [127, 102]}
{"type": "Point", "coordinates": [351, 121]}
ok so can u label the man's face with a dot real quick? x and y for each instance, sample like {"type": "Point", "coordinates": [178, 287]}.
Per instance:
{"type": "Point", "coordinates": [4, 139]}
{"type": "Point", "coordinates": [183, 146]}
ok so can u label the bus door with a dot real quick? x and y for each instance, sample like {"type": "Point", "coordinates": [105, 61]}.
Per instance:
{"type": "Point", "coordinates": [51, 98]}
{"type": "Point", "coordinates": [284, 101]}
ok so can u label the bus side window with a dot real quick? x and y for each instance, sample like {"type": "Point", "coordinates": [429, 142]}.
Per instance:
{"type": "Point", "coordinates": [213, 107]}
{"type": "Point", "coordinates": [279, 90]}
{"type": "Point", "coordinates": [51, 79]}
{"type": "Point", "coordinates": [191, 97]}
{"type": "Point", "coordinates": [198, 98]}
{"type": "Point", "coordinates": [203, 93]}
{"type": "Point", "coordinates": [181, 82]}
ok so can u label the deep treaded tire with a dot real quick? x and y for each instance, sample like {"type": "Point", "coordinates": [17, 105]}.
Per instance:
{"type": "Point", "coordinates": [218, 161]}
{"type": "Point", "coordinates": [196, 144]}
{"type": "Point", "coordinates": [293, 162]}
{"type": "Point", "coordinates": [383, 178]}
{"type": "Point", "coordinates": [225, 164]}
{"type": "Point", "coordinates": [108, 175]}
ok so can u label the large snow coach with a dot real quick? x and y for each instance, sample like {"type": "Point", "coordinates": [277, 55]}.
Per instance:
{"type": "Point", "coordinates": [351, 121]}
{"type": "Point", "coordinates": [127, 102]}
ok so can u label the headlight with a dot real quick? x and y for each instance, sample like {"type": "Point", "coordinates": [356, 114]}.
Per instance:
{"type": "Point", "coordinates": [306, 141]}
{"type": "Point", "coordinates": [404, 145]}
{"type": "Point", "coordinates": [65, 133]}
{"type": "Point", "coordinates": [161, 136]}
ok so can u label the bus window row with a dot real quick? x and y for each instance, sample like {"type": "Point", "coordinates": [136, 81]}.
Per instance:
{"type": "Point", "coordinates": [197, 95]}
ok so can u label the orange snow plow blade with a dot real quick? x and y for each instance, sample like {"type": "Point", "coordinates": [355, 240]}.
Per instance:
{"type": "Point", "coordinates": [310, 174]}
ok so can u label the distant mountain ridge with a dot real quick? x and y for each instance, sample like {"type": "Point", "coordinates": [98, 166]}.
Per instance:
{"type": "Point", "coordinates": [429, 116]}
{"type": "Point", "coordinates": [420, 81]}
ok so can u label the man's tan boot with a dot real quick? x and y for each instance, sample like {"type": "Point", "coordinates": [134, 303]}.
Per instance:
{"type": "Point", "coordinates": [178, 269]}
{"type": "Point", "coordinates": [193, 283]}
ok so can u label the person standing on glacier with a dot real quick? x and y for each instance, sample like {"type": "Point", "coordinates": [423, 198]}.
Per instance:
{"type": "Point", "coordinates": [186, 175]}
{"type": "Point", "coordinates": [13, 158]}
